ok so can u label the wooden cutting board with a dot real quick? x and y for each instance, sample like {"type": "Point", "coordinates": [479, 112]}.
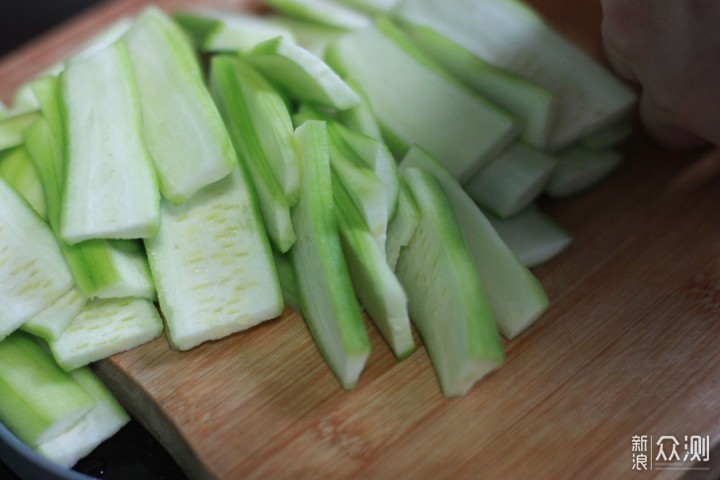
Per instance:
{"type": "Point", "coordinates": [629, 346]}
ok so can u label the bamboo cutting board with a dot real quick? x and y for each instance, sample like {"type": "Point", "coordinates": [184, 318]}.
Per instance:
{"type": "Point", "coordinates": [628, 347]}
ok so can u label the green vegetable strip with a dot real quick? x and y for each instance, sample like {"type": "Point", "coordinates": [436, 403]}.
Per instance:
{"type": "Point", "coordinates": [363, 187]}
{"type": "Point", "coordinates": [375, 283]}
{"type": "Point", "coordinates": [579, 168]}
{"type": "Point", "coordinates": [532, 236]}
{"type": "Point", "coordinates": [241, 94]}
{"type": "Point", "coordinates": [39, 400]}
{"type": "Point", "coordinates": [288, 280]}
{"type": "Point", "coordinates": [516, 296]}
{"type": "Point", "coordinates": [19, 172]}
{"type": "Point", "coordinates": [533, 105]}
{"type": "Point", "coordinates": [403, 225]}
{"type": "Point", "coordinates": [111, 190]}
{"type": "Point", "coordinates": [198, 26]}
{"type": "Point", "coordinates": [513, 180]}
{"type": "Point", "coordinates": [100, 268]}
{"type": "Point", "coordinates": [610, 136]}
{"type": "Point", "coordinates": [106, 327]}
{"type": "Point", "coordinates": [312, 37]}
{"type": "Point", "coordinates": [302, 74]}
{"type": "Point", "coordinates": [33, 274]}
{"type": "Point", "coordinates": [374, 7]}
{"type": "Point", "coordinates": [52, 321]}
{"type": "Point", "coordinates": [511, 35]}
{"type": "Point", "coordinates": [232, 31]}
{"type": "Point", "coordinates": [416, 102]}
{"type": "Point", "coordinates": [11, 129]}
{"type": "Point", "coordinates": [447, 299]}
{"type": "Point", "coordinates": [185, 134]}
{"type": "Point", "coordinates": [327, 298]}
{"type": "Point", "coordinates": [323, 12]}
{"type": "Point", "coordinates": [360, 118]}
{"type": "Point", "coordinates": [212, 264]}
{"type": "Point", "coordinates": [47, 92]}
{"type": "Point", "coordinates": [102, 422]}
{"type": "Point", "coordinates": [373, 153]}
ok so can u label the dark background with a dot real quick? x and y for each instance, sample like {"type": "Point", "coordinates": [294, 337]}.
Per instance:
{"type": "Point", "coordinates": [132, 453]}
{"type": "Point", "coordinates": [21, 21]}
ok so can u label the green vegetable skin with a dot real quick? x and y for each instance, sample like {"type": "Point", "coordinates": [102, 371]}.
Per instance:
{"type": "Point", "coordinates": [100, 268]}
{"type": "Point", "coordinates": [516, 296]}
{"type": "Point", "coordinates": [111, 190]}
{"type": "Point", "coordinates": [18, 171]}
{"type": "Point", "coordinates": [375, 283]}
{"type": "Point", "coordinates": [327, 298]}
{"type": "Point", "coordinates": [446, 297]}
{"type": "Point", "coordinates": [250, 105]}
{"type": "Point", "coordinates": [33, 274]}
{"type": "Point", "coordinates": [183, 130]}
{"type": "Point", "coordinates": [416, 102]}
{"type": "Point", "coordinates": [512, 36]}
{"type": "Point", "coordinates": [102, 422]}
{"type": "Point", "coordinates": [39, 400]}
{"type": "Point", "coordinates": [301, 73]}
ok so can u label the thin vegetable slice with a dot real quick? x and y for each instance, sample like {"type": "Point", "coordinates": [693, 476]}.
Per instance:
{"type": "Point", "coordinates": [288, 280]}
{"type": "Point", "coordinates": [102, 422]}
{"type": "Point", "coordinates": [374, 7]}
{"type": "Point", "coordinates": [533, 106]}
{"type": "Point", "coordinates": [513, 180]}
{"type": "Point", "coordinates": [512, 36]}
{"type": "Point", "coordinates": [17, 169]}
{"type": "Point", "coordinates": [328, 301]}
{"type": "Point", "coordinates": [301, 73]}
{"type": "Point", "coordinates": [261, 128]}
{"type": "Point", "coordinates": [447, 299]}
{"type": "Point", "coordinates": [517, 298]}
{"type": "Point", "coordinates": [375, 154]}
{"type": "Point", "coordinates": [52, 321]}
{"type": "Point", "coordinates": [362, 186]}
{"type": "Point", "coordinates": [11, 129]}
{"type": "Point", "coordinates": [610, 136]}
{"type": "Point", "coordinates": [360, 118]}
{"type": "Point", "coordinates": [100, 268]}
{"type": "Point", "coordinates": [105, 327]}
{"type": "Point", "coordinates": [184, 132]}
{"type": "Point", "coordinates": [403, 225]}
{"type": "Point", "coordinates": [111, 190]}
{"type": "Point", "coordinates": [579, 168]}
{"type": "Point", "coordinates": [212, 264]}
{"type": "Point", "coordinates": [39, 400]}
{"type": "Point", "coordinates": [416, 102]}
{"type": "Point", "coordinates": [33, 274]}
{"type": "Point", "coordinates": [230, 31]}
{"type": "Point", "coordinates": [532, 236]}
{"type": "Point", "coordinates": [323, 12]}
{"type": "Point", "coordinates": [375, 283]}
{"type": "Point", "coordinates": [313, 37]}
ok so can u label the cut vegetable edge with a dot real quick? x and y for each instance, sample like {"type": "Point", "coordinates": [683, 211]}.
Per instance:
{"type": "Point", "coordinates": [446, 297]}
{"type": "Point", "coordinates": [328, 301]}
{"type": "Point", "coordinates": [105, 419]}
{"type": "Point", "coordinates": [213, 266]}
{"type": "Point", "coordinates": [516, 296]}
{"type": "Point", "coordinates": [374, 281]}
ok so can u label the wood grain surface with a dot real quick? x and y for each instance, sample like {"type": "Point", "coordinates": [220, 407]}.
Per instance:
{"type": "Point", "coordinates": [628, 347]}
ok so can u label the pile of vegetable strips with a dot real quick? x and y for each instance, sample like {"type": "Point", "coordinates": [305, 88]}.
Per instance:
{"type": "Point", "coordinates": [334, 157]}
